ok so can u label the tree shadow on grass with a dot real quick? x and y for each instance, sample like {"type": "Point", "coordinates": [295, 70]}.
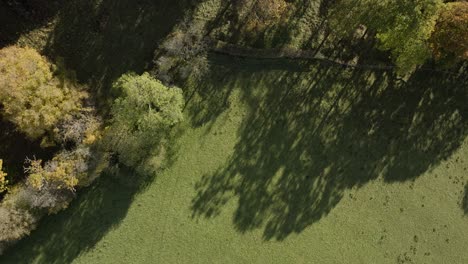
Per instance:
{"type": "Point", "coordinates": [308, 137]}
{"type": "Point", "coordinates": [206, 100]}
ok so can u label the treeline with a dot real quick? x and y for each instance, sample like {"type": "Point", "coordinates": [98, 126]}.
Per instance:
{"type": "Point", "coordinates": [45, 103]}
{"type": "Point", "coordinates": [411, 32]}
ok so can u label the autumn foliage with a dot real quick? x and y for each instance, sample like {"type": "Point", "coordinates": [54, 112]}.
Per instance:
{"type": "Point", "coordinates": [32, 97]}
{"type": "Point", "coordinates": [450, 37]}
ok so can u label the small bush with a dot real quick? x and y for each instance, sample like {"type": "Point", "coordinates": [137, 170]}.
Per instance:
{"type": "Point", "coordinates": [15, 223]}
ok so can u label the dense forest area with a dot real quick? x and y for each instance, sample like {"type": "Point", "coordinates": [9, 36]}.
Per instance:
{"type": "Point", "coordinates": [242, 131]}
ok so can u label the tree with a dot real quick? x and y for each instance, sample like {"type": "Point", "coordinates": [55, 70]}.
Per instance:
{"type": "Point", "coordinates": [402, 27]}
{"type": "Point", "coordinates": [450, 37]}
{"type": "Point", "coordinates": [142, 117]}
{"type": "Point", "coordinates": [32, 97]}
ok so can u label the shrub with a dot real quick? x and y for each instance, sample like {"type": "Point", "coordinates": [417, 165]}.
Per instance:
{"type": "Point", "coordinates": [48, 198]}
{"type": "Point", "coordinates": [70, 167]}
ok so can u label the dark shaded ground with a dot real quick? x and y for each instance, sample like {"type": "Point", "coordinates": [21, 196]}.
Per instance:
{"type": "Point", "coordinates": [15, 148]}
{"type": "Point", "coordinates": [309, 136]}
{"type": "Point", "coordinates": [20, 16]}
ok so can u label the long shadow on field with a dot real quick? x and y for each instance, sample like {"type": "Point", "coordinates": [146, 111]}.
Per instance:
{"type": "Point", "coordinates": [309, 136]}
{"type": "Point", "coordinates": [101, 40]}
{"type": "Point", "coordinates": [61, 238]}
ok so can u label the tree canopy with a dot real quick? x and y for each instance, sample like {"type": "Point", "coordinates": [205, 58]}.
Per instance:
{"type": "Point", "coordinates": [32, 97]}
{"type": "Point", "coordinates": [142, 117]}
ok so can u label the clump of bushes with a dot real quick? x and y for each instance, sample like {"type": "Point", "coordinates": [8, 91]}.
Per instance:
{"type": "Point", "coordinates": [15, 224]}
{"type": "Point", "coordinates": [183, 53]}
{"type": "Point", "coordinates": [43, 103]}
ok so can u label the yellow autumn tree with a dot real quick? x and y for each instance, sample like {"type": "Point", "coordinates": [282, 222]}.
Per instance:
{"type": "Point", "coordinates": [32, 97]}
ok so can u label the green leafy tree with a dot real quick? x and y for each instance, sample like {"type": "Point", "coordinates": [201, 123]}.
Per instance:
{"type": "Point", "coordinates": [450, 37]}
{"type": "Point", "coordinates": [402, 27]}
{"type": "Point", "coordinates": [142, 117]}
{"type": "Point", "coordinates": [32, 97]}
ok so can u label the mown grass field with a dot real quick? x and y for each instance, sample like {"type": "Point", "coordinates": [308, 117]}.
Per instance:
{"type": "Point", "coordinates": [286, 162]}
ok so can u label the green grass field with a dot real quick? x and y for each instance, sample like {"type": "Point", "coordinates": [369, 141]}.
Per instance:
{"type": "Point", "coordinates": [286, 162]}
